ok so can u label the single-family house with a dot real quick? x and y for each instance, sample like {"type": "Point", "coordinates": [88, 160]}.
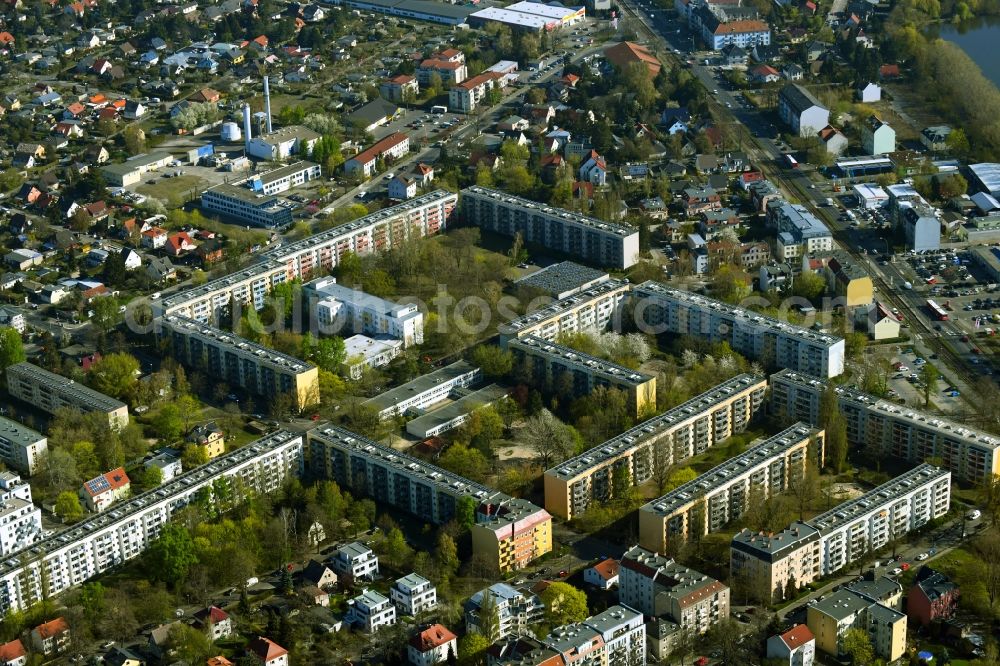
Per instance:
{"type": "Point", "coordinates": [215, 622]}
{"type": "Point", "coordinates": [102, 491]}
{"type": "Point", "coordinates": [51, 637]}
{"type": "Point", "coordinates": [265, 652]}
{"type": "Point", "coordinates": [603, 575]}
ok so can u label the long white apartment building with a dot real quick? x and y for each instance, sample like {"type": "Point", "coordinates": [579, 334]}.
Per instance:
{"type": "Point", "coordinates": [425, 391]}
{"type": "Point", "coordinates": [338, 307]}
{"type": "Point", "coordinates": [422, 216]}
{"type": "Point", "coordinates": [886, 428]}
{"type": "Point", "coordinates": [50, 392]}
{"type": "Point", "coordinates": [20, 520]}
{"type": "Point", "coordinates": [238, 362]}
{"type": "Point", "coordinates": [591, 310]}
{"type": "Point", "coordinates": [582, 237]}
{"type": "Point", "coordinates": [425, 215]}
{"type": "Point", "coordinates": [248, 287]}
{"type": "Point", "coordinates": [667, 439]}
{"type": "Point", "coordinates": [72, 556]}
{"type": "Point", "coordinates": [773, 342]}
{"type": "Point", "coordinates": [21, 447]}
{"type": "Point", "coordinates": [722, 494]}
{"type": "Point", "coordinates": [508, 533]}
{"type": "Point", "coordinates": [806, 551]}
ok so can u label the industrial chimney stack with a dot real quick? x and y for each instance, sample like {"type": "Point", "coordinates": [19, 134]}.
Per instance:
{"type": "Point", "coordinates": [246, 126]}
{"type": "Point", "coordinates": [267, 105]}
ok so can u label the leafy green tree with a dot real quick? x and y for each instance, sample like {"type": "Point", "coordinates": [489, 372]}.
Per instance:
{"type": "Point", "coordinates": [809, 285]}
{"type": "Point", "coordinates": [10, 179]}
{"type": "Point", "coordinates": [465, 511]}
{"type": "Point", "coordinates": [328, 353]}
{"type": "Point", "coordinates": [171, 555]}
{"type": "Point", "coordinates": [189, 644]}
{"type": "Point", "coordinates": [68, 506]}
{"type": "Point", "coordinates": [92, 598]}
{"type": "Point", "coordinates": [564, 604]}
{"type": "Point", "coordinates": [464, 460]}
{"type": "Point", "coordinates": [472, 649]}
{"type": "Point", "coordinates": [446, 555]}
{"type": "Point", "coordinates": [929, 375]}
{"type": "Point", "coordinates": [115, 374]}
{"type": "Point", "coordinates": [193, 456]}
{"type": "Point", "coordinates": [11, 347]}
{"type": "Point", "coordinates": [836, 443]}
{"type": "Point", "coordinates": [494, 361]}
{"type": "Point", "coordinates": [858, 647]}
{"type": "Point", "coordinates": [168, 423]}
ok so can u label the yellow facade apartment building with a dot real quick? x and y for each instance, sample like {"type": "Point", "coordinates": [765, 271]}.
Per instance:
{"type": "Point", "coordinates": [688, 429]}
{"type": "Point", "coordinates": [722, 494]}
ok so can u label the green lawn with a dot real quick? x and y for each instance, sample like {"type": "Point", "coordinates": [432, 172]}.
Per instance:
{"type": "Point", "coordinates": [172, 191]}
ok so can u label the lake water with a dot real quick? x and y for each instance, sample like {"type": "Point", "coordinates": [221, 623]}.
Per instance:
{"type": "Point", "coordinates": [979, 39]}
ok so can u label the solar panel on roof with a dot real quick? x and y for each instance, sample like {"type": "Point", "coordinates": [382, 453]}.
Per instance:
{"type": "Point", "coordinates": [98, 485]}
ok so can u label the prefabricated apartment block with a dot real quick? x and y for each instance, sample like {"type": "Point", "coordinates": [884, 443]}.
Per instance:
{"type": "Point", "coordinates": [553, 364]}
{"type": "Point", "coordinates": [806, 551]}
{"type": "Point", "coordinates": [101, 542]}
{"type": "Point", "coordinates": [579, 236]}
{"type": "Point", "coordinates": [508, 533]}
{"type": "Point", "coordinates": [771, 341]}
{"type": "Point", "coordinates": [722, 494]}
{"type": "Point", "coordinates": [667, 439]}
{"type": "Point", "coordinates": [886, 428]}
{"type": "Point", "coordinates": [49, 392]}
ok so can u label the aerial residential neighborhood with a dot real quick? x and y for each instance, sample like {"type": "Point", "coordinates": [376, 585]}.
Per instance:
{"type": "Point", "coordinates": [499, 334]}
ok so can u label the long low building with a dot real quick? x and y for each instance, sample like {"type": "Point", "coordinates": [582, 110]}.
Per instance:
{"type": "Point", "coordinates": [885, 428]}
{"type": "Point", "coordinates": [508, 533]}
{"type": "Point", "coordinates": [775, 343]}
{"type": "Point", "coordinates": [421, 10]}
{"type": "Point", "coordinates": [665, 440]}
{"type": "Point", "coordinates": [238, 362]}
{"type": "Point", "coordinates": [133, 169]}
{"type": "Point", "coordinates": [557, 367]}
{"type": "Point", "coordinates": [425, 390]}
{"type": "Point", "coordinates": [318, 254]}
{"type": "Point", "coordinates": [97, 544]}
{"type": "Point", "coordinates": [50, 392]}
{"type": "Point", "coordinates": [721, 494]}
{"type": "Point", "coordinates": [779, 564]}
{"type": "Point", "coordinates": [582, 237]}
{"type": "Point", "coordinates": [21, 447]}
{"type": "Point", "coordinates": [590, 310]}
{"type": "Point", "coordinates": [528, 16]}
{"type": "Point", "coordinates": [256, 209]}
{"type": "Point", "coordinates": [454, 414]}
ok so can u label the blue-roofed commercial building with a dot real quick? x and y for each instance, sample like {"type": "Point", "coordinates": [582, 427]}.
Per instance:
{"type": "Point", "coordinates": [985, 176]}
